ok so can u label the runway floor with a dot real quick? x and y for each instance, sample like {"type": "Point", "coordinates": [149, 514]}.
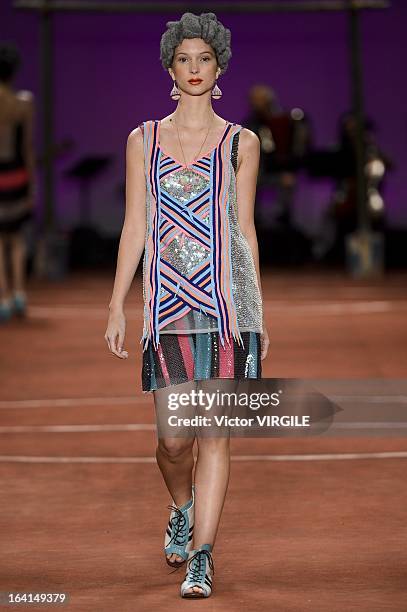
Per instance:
{"type": "Point", "coordinates": [315, 524]}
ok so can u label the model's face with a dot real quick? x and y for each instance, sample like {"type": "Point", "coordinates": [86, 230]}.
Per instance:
{"type": "Point", "coordinates": [194, 59]}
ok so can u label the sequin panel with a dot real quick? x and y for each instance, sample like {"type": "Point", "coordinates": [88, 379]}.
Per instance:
{"type": "Point", "coordinates": [185, 254]}
{"type": "Point", "coordinates": [184, 184]}
{"type": "Point", "coordinates": [245, 288]}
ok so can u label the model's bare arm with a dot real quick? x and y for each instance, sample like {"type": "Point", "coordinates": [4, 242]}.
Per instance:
{"type": "Point", "coordinates": [27, 99]}
{"type": "Point", "coordinates": [246, 183]}
{"type": "Point", "coordinates": [132, 239]}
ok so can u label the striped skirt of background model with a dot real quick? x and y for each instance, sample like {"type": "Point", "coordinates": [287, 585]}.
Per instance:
{"type": "Point", "coordinates": [15, 209]}
{"type": "Point", "coordinates": [199, 356]}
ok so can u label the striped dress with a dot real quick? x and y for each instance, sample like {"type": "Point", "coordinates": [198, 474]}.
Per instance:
{"type": "Point", "coordinates": [202, 303]}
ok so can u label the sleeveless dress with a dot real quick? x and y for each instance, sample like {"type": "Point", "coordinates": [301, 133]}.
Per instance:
{"type": "Point", "coordinates": [202, 303]}
{"type": "Point", "coordinates": [14, 179]}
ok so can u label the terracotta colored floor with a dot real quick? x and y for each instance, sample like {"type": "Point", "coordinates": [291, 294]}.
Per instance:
{"type": "Point", "coordinates": [84, 508]}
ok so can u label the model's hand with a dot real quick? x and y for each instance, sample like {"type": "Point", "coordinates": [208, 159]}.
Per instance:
{"type": "Point", "coordinates": [115, 332]}
{"type": "Point", "coordinates": [264, 339]}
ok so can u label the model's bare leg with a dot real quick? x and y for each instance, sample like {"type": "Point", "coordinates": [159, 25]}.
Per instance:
{"type": "Point", "coordinates": [4, 287]}
{"type": "Point", "coordinates": [174, 454]}
{"type": "Point", "coordinates": [211, 473]}
{"type": "Point", "coordinates": [18, 255]}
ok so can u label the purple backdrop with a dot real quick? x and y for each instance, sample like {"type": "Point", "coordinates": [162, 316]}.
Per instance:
{"type": "Point", "coordinates": [108, 78]}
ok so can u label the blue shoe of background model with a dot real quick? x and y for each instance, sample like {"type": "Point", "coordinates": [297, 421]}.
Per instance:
{"type": "Point", "coordinates": [6, 311]}
{"type": "Point", "coordinates": [19, 305]}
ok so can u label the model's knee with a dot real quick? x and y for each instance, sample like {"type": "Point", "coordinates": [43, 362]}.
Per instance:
{"type": "Point", "coordinates": [175, 448]}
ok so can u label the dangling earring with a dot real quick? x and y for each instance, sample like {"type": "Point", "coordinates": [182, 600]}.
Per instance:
{"type": "Point", "coordinates": [216, 92]}
{"type": "Point", "coordinates": [175, 92]}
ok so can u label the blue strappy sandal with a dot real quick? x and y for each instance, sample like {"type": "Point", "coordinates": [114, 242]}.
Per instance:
{"type": "Point", "coordinates": [180, 531]}
{"type": "Point", "coordinates": [200, 570]}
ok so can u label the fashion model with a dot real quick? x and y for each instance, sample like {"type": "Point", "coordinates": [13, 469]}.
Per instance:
{"type": "Point", "coordinates": [17, 182]}
{"type": "Point", "coordinates": [190, 191]}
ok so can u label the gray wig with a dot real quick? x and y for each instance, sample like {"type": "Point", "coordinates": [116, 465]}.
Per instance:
{"type": "Point", "coordinates": [205, 26]}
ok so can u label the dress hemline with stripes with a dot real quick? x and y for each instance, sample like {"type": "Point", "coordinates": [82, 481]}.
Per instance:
{"type": "Point", "coordinates": [181, 358]}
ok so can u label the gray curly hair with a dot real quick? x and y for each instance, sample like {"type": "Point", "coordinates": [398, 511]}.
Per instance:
{"type": "Point", "coordinates": [205, 26]}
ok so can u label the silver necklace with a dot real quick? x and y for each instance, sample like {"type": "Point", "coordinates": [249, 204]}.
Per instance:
{"type": "Point", "coordinates": [179, 140]}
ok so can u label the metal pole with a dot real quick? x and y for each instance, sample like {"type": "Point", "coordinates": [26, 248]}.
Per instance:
{"type": "Point", "coordinates": [358, 110]}
{"type": "Point", "coordinates": [47, 107]}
